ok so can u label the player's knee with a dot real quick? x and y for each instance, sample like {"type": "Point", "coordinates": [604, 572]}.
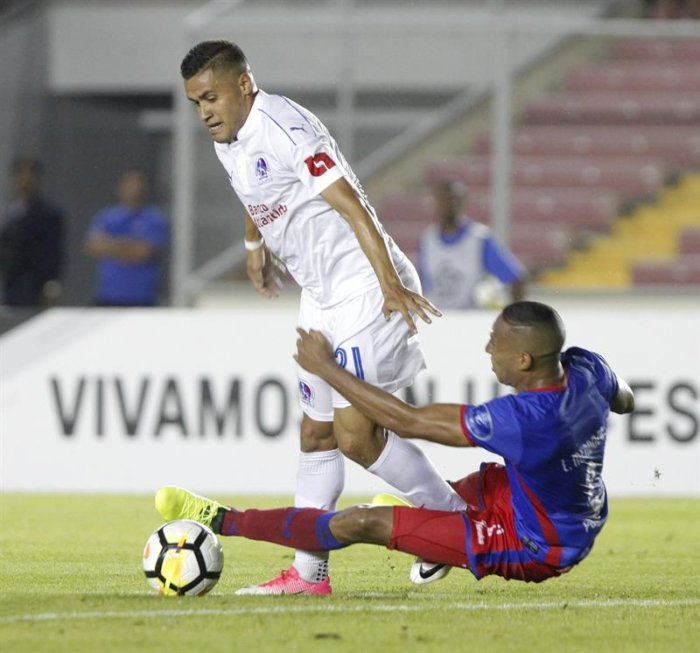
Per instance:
{"type": "Point", "coordinates": [360, 445]}
{"type": "Point", "coordinates": [316, 436]}
{"type": "Point", "coordinates": [358, 436]}
{"type": "Point", "coordinates": [363, 524]}
{"type": "Point", "coordinates": [354, 447]}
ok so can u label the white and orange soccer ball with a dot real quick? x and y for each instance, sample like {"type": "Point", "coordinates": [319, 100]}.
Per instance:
{"type": "Point", "coordinates": [183, 558]}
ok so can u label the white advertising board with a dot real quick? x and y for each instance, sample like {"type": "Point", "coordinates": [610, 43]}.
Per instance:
{"type": "Point", "coordinates": [127, 400]}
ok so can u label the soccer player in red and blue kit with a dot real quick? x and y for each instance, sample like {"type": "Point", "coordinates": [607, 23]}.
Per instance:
{"type": "Point", "coordinates": [531, 519]}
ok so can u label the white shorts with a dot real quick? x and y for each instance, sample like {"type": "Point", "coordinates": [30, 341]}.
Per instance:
{"type": "Point", "coordinates": [382, 352]}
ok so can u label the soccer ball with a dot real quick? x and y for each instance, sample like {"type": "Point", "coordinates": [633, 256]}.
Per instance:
{"type": "Point", "coordinates": [183, 558]}
{"type": "Point", "coordinates": [490, 293]}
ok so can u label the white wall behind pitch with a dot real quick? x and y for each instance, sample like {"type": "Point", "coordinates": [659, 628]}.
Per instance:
{"type": "Point", "coordinates": [165, 355]}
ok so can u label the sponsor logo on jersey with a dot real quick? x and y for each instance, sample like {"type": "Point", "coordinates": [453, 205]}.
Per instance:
{"type": "Point", "coordinates": [319, 164]}
{"type": "Point", "coordinates": [262, 172]}
{"type": "Point", "coordinates": [262, 215]}
{"type": "Point", "coordinates": [479, 422]}
{"type": "Point", "coordinates": [306, 392]}
{"type": "Point", "coordinates": [485, 530]}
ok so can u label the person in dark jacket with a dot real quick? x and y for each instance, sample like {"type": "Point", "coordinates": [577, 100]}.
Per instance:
{"type": "Point", "coordinates": [31, 241]}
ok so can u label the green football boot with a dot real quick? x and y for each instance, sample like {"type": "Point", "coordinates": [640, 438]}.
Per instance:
{"type": "Point", "coordinates": [174, 502]}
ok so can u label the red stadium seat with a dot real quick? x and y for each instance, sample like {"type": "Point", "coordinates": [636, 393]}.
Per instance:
{"type": "Point", "coordinates": [683, 271]}
{"type": "Point", "coordinates": [690, 241]}
{"type": "Point", "coordinates": [656, 49]}
{"type": "Point", "coordinates": [535, 242]}
{"type": "Point", "coordinates": [408, 208]}
{"type": "Point", "coordinates": [598, 108]}
{"type": "Point", "coordinates": [633, 76]}
{"type": "Point", "coordinates": [535, 247]}
{"type": "Point", "coordinates": [406, 234]}
{"type": "Point", "coordinates": [535, 254]}
{"type": "Point", "coordinates": [640, 177]}
{"type": "Point", "coordinates": [551, 206]}
{"type": "Point", "coordinates": [676, 146]}
{"type": "Point", "coordinates": [573, 207]}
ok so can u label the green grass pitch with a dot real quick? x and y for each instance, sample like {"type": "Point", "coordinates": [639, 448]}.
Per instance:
{"type": "Point", "coordinates": [71, 581]}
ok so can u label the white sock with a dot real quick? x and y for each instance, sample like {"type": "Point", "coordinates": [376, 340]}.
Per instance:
{"type": "Point", "coordinates": [405, 466]}
{"type": "Point", "coordinates": [320, 480]}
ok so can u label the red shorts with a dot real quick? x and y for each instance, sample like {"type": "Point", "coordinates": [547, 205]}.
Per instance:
{"type": "Point", "coordinates": [482, 538]}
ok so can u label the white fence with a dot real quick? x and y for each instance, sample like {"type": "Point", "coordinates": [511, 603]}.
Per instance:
{"type": "Point", "coordinates": [124, 401]}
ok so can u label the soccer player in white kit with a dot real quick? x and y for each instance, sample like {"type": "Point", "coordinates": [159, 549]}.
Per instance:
{"type": "Point", "coordinates": [306, 208]}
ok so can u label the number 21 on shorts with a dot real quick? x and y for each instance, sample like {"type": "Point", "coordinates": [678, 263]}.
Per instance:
{"type": "Point", "coordinates": [341, 355]}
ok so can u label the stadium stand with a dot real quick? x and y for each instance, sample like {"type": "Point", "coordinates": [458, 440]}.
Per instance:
{"type": "Point", "coordinates": [591, 168]}
{"type": "Point", "coordinates": [658, 243]}
{"type": "Point", "coordinates": [690, 241]}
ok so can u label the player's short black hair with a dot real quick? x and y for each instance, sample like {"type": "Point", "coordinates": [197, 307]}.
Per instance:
{"type": "Point", "coordinates": [453, 187]}
{"type": "Point", "coordinates": [212, 54]}
{"type": "Point", "coordinates": [538, 316]}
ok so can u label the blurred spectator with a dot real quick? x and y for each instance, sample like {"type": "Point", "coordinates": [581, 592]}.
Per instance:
{"type": "Point", "coordinates": [128, 241]}
{"type": "Point", "coordinates": [460, 263]}
{"type": "Point", "coordinates": [31, 241]}
{"type": "Point", "coordinates": [672, 9]}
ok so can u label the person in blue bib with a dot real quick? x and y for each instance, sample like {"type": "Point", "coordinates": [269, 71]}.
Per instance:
{"type": "Point", "coordinates": [531, 518]}
{"type": "Point", "coordinates": [128, 241]}
{"type": "Point", "coordinates": [460, 262]}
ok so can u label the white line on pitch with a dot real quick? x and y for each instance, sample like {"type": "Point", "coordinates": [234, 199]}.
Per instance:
{"type": "Point", "coordinates": [324, 607]}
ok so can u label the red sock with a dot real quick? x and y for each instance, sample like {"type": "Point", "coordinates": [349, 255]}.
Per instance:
{"type": "Point", "coordinates": [307, 529]}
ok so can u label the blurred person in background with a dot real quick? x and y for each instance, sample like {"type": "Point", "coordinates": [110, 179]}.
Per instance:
{"type": "Point", "coordinates": [461, 264]}
{"type": "Point", "coordinates": [672, 9]}
{"type": "Point", "coordinates": [31, 241]}
{"type": "Point", "coordinates": [128, 241]}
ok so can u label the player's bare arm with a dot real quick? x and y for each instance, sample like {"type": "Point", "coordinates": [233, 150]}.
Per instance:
{"type": "Point", "coordinates": [263, 269]}
{"type": "Point", "coordinates": [342, 197]}
{"type": "Point", "coordinates": [624, 399]}
{"type": "Point", "coordinates": [436, 423]}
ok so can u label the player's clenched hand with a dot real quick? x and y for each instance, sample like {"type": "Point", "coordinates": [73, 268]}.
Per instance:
{"type": "Point", "coordinates": [265, 272]}
{"type": "Point", "coordinates": [313, 351]}
{"type": "Point", "coordinates": [406, 301]}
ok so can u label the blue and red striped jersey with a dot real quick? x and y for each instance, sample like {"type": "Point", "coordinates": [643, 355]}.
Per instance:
{"type": "Point", "coordinates": [553, 442]}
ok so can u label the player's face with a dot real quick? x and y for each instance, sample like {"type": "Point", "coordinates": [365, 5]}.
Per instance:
{"type": "Point", "coordinates": [133, 189]}
{"type": "Point", "coordinates": [504, 351]}
{"type": "Point", "coordinates": [448, 205]}
{"type": "Point", "coordinates": [223, 101]}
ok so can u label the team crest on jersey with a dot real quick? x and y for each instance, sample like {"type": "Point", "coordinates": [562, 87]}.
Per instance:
{"type": "Point", "coordinates": [262, 172]}
{"type": "Point", "coordinates": [306, 392]}
{"type": "Point", "coordinates": [479, 422]}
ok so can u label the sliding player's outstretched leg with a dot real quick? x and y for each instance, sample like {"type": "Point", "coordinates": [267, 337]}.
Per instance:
{"type": "Point", "coordinates": [434, 535]}
{"type": "Point", "coordinates": [174, 502]}
{"type": "Point", "coordinates": [422, 572]}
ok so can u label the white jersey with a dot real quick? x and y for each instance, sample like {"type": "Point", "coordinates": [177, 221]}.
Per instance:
{"type": "Point", "coordinates": [281, 161]}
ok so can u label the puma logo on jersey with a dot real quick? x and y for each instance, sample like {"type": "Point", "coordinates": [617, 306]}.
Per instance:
{"type": "Point", "coordinates": [319, 164]}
